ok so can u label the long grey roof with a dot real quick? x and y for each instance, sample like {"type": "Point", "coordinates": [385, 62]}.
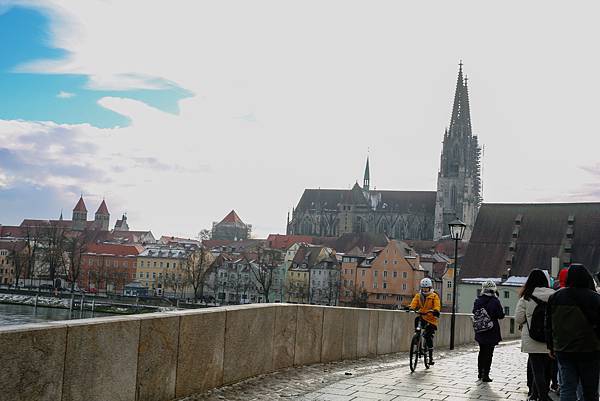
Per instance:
{"type": "Point", "coordinates": [542, 233]}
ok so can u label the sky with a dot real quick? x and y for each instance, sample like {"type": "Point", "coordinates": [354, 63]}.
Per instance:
{"type": "Point", "coordinates": [177, 112]}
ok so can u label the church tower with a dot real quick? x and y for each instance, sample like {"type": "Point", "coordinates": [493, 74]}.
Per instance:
{"type": "Point", "coordinates": [102, 217]}
{"type": "Point", "coordinates": [459, 177]}
{"type": "Point", "coordinates": [79, 215]}
{"type": "Point", "coordinates": [367, 178]}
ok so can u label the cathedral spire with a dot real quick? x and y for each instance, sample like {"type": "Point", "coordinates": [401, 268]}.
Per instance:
{"type": "Point", "coordinates": [460, 122]}
{"type": "Point", "coordinates": [367, 179]}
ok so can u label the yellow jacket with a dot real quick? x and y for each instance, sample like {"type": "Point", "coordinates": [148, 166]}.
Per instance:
{"type": "Point", "coordinates": [423, 303]}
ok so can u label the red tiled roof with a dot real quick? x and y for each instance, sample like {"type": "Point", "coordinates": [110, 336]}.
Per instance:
{"type": "Point", "coordinates": [12, 231]}
{"type": "Point", "coordinates": [232, 217]}
{"type": "Point", "coordinates": [279, 241]}
{"type": "Point", "coordinates": [115, 249]}
{"type": "Point", "coordinates": [80, 206]}
{"type": "Point", "coordinates": [102, 209]}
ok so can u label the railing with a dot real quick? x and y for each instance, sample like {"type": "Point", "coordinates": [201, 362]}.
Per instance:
{"type": "Point", "coordinates": [162, 356]}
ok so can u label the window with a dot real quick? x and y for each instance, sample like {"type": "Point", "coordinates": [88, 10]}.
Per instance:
{"type": "Point", "coordinates": [167, 265]}
{"type": "Point", "coordinates": [385, 273]}
{"type": "Point", "coordinates": [449, 284]}
{"type": "Point", "coordinates": [362, 273]}
{"type": "Point", "coordinates": [398, 297]}
{"type": "Point", "coordinates": [384, 284]}
{"type": "Point", "coordinates": [141, 275]}
{"type": "Point", "coordinates": [506, 294]}
{"type": "Point", "coordinates": [395, 274]}
{"type": "Point", "coordinates": [404, 275]}
{"type": "Point", "coordinates": [507, 310]}
{"type": "Point", "coordinates": [153, 274]}
{"type": "Point", "coordinates": [142, 263]}
{"type": "Point", "coordinates": [385, 262]}
{"type": "Point", "coordinates": [375, 284]}
{"type": "Point", "coordinates": [375, 273]}
{"type": "Point", "coordinates": [154, 264]}
{"type": "Point", "coordinates": [404, 287]}
{"type": "Point", "coordinates": [161, 264]}
{"type": "Point", "coordinates": [395, 262]}
{"type": "Point", "coordinates": [174, 265]}
{"type": "Point", "coordinates": [147, 275]}
{"type": "Point", "coordinates": [448, 297]}
{"type": "Point", "coordinates": [345, 283]}
{"type": "Point", "coordinates": [351, 283]}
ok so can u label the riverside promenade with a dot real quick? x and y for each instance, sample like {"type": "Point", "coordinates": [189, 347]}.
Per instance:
{"type": "Point", "coordinates": [387, 378]}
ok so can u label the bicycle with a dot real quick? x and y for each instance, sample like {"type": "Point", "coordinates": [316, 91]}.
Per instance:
{"type": "Point", "coordinates": [418, 345]}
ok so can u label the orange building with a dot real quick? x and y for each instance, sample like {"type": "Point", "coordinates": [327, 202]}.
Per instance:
{"type": "Point", "coordinates": [387, 278]}
{"type": "Point", "coordinates": [108, 267]}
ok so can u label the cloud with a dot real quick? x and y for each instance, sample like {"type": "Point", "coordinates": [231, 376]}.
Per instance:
{"type": "Point", "coordinates": [282, 102]}
{"type": "Point", "coordinates": [65, 95]}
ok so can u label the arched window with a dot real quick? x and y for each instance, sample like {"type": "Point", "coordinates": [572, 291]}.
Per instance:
{"type": "Point", "coordinates": [453, 196]}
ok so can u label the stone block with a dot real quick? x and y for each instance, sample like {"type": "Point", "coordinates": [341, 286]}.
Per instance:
{"type": "Point", "coordinates": [157, 357]}
{"type": "Point", "coordinates": [373, 331]}
{"type": "Point", "coordinates": [101, 359]}
{"type": "Point", "coordinates": [402, 331]}
{"type": "Point", "coordinates": [384, 331]}
{"type": "Point", "coordinates": [248, 342]}
{"type": "Point", "coordinates": [350, 334]}
{"type": "Point", "coordinates": [284, 338]}
{"type": "Point", "coordinates": [200, 355]}
{"type": "Point", "coordinates": [32, 361]}
{"type": "Point", "coordinates": [362, 340]}
{"type": "Point", "coordinates": [309, 335]}
{"type": "Point", "coordinates": [333, 330]}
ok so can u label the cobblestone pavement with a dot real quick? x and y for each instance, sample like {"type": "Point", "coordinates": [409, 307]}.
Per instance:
{"type": "Point", "coordinates": [388, 378]}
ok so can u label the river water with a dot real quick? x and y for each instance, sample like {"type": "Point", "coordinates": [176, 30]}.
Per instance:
{"type": "Point", "coordinates": [21, 314]}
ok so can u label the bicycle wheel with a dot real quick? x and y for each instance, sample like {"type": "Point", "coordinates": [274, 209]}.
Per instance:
{"type": "Point", "coordinates": [425, 352]}
{"type": "Point", "coordinates": [414, 352]}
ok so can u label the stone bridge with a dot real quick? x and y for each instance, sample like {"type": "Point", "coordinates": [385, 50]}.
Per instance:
{"type": "Point", "coordinates": [165, 356]}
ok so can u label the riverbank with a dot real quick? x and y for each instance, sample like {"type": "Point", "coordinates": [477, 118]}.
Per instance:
{"type": "Point", "coordinates": [89, 303]}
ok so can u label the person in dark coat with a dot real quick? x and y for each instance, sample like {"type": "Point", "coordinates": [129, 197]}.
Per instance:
{"type": "Point", "coordinates": [573, 334]}
{"type": "Point", "coordinates": [488, 339]}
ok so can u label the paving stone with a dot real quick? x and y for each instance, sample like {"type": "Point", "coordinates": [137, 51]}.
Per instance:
{"type": "Point", "coordinates": [388, 378]}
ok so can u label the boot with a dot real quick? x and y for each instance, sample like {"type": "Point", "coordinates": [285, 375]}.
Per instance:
{"type": "Point", "coordinates": [486, 377]}
{"type": "Point", "coordinates": [431, 362]}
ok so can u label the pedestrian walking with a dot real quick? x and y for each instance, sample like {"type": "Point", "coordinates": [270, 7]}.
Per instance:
{"type": "Point", "coordinates": [530, 315]}
{"type": "Point", "coordinates": [573, 324]}
{"type": "Point", "coordinates": [487, 334]}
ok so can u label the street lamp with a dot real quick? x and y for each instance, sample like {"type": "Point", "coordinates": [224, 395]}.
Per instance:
{"type": "Point", "coordinates": [457, 231]}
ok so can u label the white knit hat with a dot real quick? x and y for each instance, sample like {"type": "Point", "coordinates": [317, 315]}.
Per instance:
{"type": "Point", "coordinates": [488, 286]}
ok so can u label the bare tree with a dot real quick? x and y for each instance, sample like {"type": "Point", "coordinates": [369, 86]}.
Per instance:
{"type": "Point", "coordinates": [53, 248]}
{"type": "Point", "coordinates": [32, 242]}
{"type": "Point", "coordinates": [196, 270]}
{"type": "Point", "coordinates": [75, 248]}
{"type": "Point", "coordinates": [264, 270]}
{"type": "Point", "coordinates": [205, 234]}
{"type": "Point", "coordinates": [18, 259]}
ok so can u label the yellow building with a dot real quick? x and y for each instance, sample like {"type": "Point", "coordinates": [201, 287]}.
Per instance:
{"type": "Point", "coordinates": [7, 260]}
{"type": "Point", "coordinates": [297, 284]}
{"type": "Point", "coordinates": [159, 269]}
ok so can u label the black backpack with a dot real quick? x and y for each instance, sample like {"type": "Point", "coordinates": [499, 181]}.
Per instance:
{"type": "Point", "coordinates": [537, 327]}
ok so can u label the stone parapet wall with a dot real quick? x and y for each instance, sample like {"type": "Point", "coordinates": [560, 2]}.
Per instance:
{"type": "Point", "coordinates": [164, 356]}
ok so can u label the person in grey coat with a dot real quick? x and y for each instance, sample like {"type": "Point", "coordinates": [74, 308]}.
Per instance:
{"type": "Point", "coordinates": [536, 289]}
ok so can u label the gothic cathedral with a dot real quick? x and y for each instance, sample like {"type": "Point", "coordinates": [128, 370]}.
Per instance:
{"type": "Point", "coordinates": [418, 215]}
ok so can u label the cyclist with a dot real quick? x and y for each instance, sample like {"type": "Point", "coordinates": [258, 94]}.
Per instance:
{"type": "Point", "coordinates": [427, 303]}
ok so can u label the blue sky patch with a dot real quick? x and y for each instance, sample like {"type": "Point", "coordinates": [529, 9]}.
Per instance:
{"type": "Point", "coordinates": [62, 98]}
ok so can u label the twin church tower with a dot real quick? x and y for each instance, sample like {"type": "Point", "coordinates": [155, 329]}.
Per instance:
{"type": "Point", "coordinates": [418, 215]}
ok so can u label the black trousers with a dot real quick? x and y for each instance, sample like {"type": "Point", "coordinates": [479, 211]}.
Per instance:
{"type": "Point", "coordinates": [484, 359]}
{"type": "Point", "coordinates": [429, 331]}
{"type": "Point", "coordinates": [541, 371]}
